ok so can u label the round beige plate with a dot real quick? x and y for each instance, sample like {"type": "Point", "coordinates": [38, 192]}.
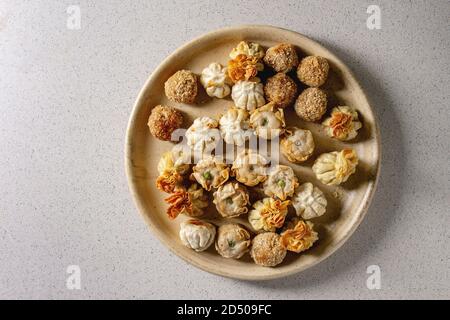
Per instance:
{"type": "Point", "coordinates": [347, 204]}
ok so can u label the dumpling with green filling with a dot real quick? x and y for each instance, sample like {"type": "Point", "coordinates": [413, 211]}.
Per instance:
{"type": "Point", "coordinates": [232, 241]}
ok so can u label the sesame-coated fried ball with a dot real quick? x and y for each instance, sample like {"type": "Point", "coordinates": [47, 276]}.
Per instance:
{"type": "Point", "coordinates": [311, 104]}
{"type": "Point", "coordinates": [182, 87]}
{"type": "Point", "coordinates": [282, 57]}
{"type": "Point", "coordinates": [313, 71]}
{"type": "Point", "coordinates": [267, 249]}
{"type": "Point", "coordinates": [281, 90]}
{"type": "Point", "coordinates": [163, 121]}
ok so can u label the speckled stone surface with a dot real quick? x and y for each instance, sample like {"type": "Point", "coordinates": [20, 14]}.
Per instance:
{"type": "Point", "coordinates": [66, 95]}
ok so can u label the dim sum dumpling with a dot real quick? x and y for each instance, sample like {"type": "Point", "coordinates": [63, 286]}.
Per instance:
{"type": "Point", "coordinates": [215, 80]}
{"type": "Point", "coordinates": [267, 121]}
{"type": "Point", "coordinates": [196, 234]}
{"type": "Point", "coordinates": [177, 159]}
{"type": "Point", "coordinates": [268, 214]}
{"type": "Point", "coordinates": [211, 172]}
{"type": "Point", "coordinates": [298, 235]}
{"type": "Point", "coordinates": [190, 202]}
{"type": "Point", "coordinates": [170, 173]}
{"type": "Point", "coordinates": [248, 95]}
{"type": "Point", "coordinates": [335, 167]}
{"type": "Point", "coordinates": [297, 145]}
{"type": "Point", "coordinates": [343, 124]}
{"type": "Point", "coordinates": [250, 168]}
{"type": "Point", "coordinates": [232, 241]}
{"type": "Point", "coordinates": [249, 49]}
{"type": "Point", "coordinates": [231, 200]}
{"type": "Point", "coordinates": [234, 125]}
{"type": "Point", "coordinates": [203, 135]}
{"type": "Point", "coordinates": [281, 182]}
{"type": "Point", "coordinates": [309, 201]}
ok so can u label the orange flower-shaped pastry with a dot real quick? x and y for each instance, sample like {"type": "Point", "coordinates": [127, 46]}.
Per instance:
{"type": "Point", "coordinates": [168, 181]}
{"type": "Point", "coordinates": [298, 235]}
{"type": "Point", "coordinates": [268, 214]}
{"type": "Point", "coordinates": [171, 171]}
{"type": "Point", "coordinates": [243, 67]}
{"type": "Point", "coordinates": [343, 123]}
{"type": "Point", "coordinates": [190, 202]}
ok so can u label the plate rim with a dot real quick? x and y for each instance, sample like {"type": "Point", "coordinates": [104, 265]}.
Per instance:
{"type": "Point", "coordinates": [361, 211]}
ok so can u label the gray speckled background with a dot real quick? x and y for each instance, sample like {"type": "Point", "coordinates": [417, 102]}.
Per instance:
{"type": "Point", "coordinates": [65, 98]}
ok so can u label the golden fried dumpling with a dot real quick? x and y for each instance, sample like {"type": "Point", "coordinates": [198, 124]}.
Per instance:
{"type": "Point", "coordinates": [196, 234]}
{"type": "Point", "coordinates": [309, 201]}
{"type": "Point", "coordinates": [215, 80]}
{"type": "Point", "coordinates": [203, 135]}
{"type": "Point", "coordinates": [181, 157]}
{"type": "Point", "coordinates": [343, 124]}
{"type": "Point", "coordinates": [335, 167]}
{"type": "Point", "coordinates": [169, 180]}
{"type": "Point", "coordinates": [174, 160]}
{"type": "Point", "coordinates": [232, 241]}
{"type": "Point", "coordinates": [211, 172]}
{"type": "Point", "coordinates": [170, 174]}
{"type": "Point", "coordinates": [267, 249]}
{"type": "Point", "coordinates": [297, 145]}
{"type": "Point", "coordinates": [268, 214]}
{"type": "Point", "coordinates": [248, 95]}
{"type": "Point", "coordinates": [190, 202]}
{"type": "Point", "coordinates": [267, 121]}
{"type": "Point", "coordinates": [243, 68]}
{"type": "Point", "coordinates": [234, 125]}
{"type": "Point", "coordinates": [298, 235]}
{"type": "Point", "coordinates": [281, 182]}
{"type": "Point", "coordinates": [231, 199]}
{"type": "Point", "coordinates": [250, 49]}
{"type": "Point", "coordinates": [250, 168]}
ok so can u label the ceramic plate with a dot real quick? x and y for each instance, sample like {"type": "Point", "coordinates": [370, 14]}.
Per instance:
{"type": "Point", "coordinates": [347, 204]}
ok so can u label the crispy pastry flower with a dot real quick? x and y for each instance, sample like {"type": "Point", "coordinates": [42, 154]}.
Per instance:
{"type": "Point", "coordinates": [298, 235]}
{"type": "Point", "coordinates": [169, 181]}
{"type": "Point", "coordinates": [211, 172]}
{"type": "Point", "coordinates": [343, 123]}
{"type": "Point", "coordinates": [250, 49]}
{"type": "Point", "coordinates": [171, 168]}
{"type": "Point", "coordinates": [281, 182]}
{"type": "Point", "coordinates": [267, 121]}
{"type": "Point", "coordinates": [268, 214]}
{"type": "Point", "coordinates": [190, 202]}
{"type": "Point", "coordinates": [335, 167]}
{"type": "Point", "coordinates": [297, 145]}
{"type": "Point", "coordinates": [243, 67]}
